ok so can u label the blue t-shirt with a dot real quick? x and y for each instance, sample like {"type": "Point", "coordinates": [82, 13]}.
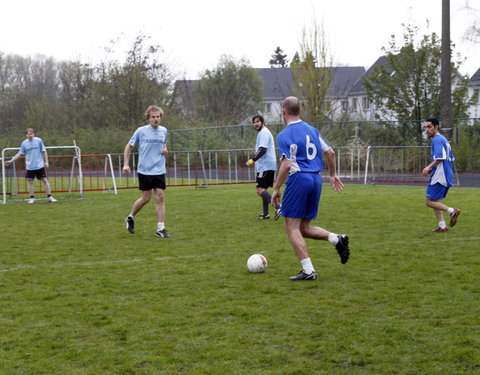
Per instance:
{"type": "Point", "coordinates": [268, 161]}
{"type": "Point", "coordinates": [150, 143]}
{"type": "Point", "coordinates": [33, 151]}
{"type": "Point", "coordinates": [443, 172]}
{"type": "Point", "coordinates": [303, 145]}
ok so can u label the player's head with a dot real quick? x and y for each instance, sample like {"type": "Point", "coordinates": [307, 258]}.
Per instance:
{"type": "Point", "coordinates": [433, 121]}
{"type": "Point", "coordinates": [291, 106]}
{"type": "Point", "coordinates": [431, 126]}
{"type": "Point", "coordinates": [258, 121]}
{"type": "Point", "coordinates": [150, 109]}
{"type": "Point", "coordinates": [30, 133]}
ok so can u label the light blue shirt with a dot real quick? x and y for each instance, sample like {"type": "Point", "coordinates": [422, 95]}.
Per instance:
{"type": "Point", "coordinates": [33, 151]}
{"type": "Point", "coordinates": [268, 161]}
{"type": "Point", "coordinates": [150, 143]}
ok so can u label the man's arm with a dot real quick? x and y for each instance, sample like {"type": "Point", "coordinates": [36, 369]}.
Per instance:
{"type": "Point", "coordinates": [334, 179]}
{"type": "Point", "coordinates": [430, 166]}
{"type": "Point", "coordinates": [282, 176]}
{"type": "Point", "coordinates": [45, 158]}
{"type": "Point", "coordinates": [15, 157]}
{"type": "Point", "coordinates": [260, 152]}
{"type": "Point", "coordinates": [126, 158]}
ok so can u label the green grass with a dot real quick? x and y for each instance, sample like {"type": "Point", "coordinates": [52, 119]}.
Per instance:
{"type": "Point", "coordinates": [79, 295]}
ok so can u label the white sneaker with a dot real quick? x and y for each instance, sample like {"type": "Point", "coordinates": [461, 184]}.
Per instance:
{"type": "Point", "coordinates": [52, 199]}
{"type": "Point", "coordinates": [31, 201]}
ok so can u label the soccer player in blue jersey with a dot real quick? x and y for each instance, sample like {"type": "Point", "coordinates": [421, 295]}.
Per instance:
{"type": "Point", "coordinates": [151, 141]}
{"type": "Point", "coordinates": [36, 157]}
{"type": "Point", "coordinates": [441, 173]}
{"type": "Point", "coordinates": [265, 161]}
{"type": "Point", "coordinates": [301, 147]}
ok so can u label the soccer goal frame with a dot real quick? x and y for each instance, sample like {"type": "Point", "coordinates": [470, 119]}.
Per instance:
{"type": "Point", "coordinates": [75, 171]}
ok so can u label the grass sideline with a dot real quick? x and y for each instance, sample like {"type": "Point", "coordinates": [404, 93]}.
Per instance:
{"type": "Point", "coordinates": [79, 295]}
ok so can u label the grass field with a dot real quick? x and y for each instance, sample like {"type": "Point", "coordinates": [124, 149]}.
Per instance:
{"type": "Point", "coordinates": [79, 295]}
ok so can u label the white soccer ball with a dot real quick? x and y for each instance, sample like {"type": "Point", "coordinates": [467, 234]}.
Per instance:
{"type": "Point", "coordinates": [257, 263]}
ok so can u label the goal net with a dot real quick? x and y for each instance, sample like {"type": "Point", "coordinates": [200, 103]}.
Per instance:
{"type": "Point", "coordinates": [64, 174]}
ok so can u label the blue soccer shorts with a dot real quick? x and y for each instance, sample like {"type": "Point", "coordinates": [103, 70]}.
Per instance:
{"type": "Point", "coordinates": [436, 191]}
{"type": "Point", "coordinates": [302, 195]}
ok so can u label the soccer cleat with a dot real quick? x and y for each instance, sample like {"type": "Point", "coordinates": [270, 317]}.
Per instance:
{"type": "Point", "coordinates": [263, 217]}
{"type": "Point", "coordinates": [304, 276]}
{"type": "Point", "coordinates": [440, 229]}
{"type": "Point", "coordinates": [130, 224]}
{"type": "Point", "coordinates": [162, 234]}
{"type": "Point", "coordinates": [31, 201]}
{"type": "Point", "coordinates": [454, 216]}
{"type": "Point", "coordinates": [278, 213]}
{"type": "Point", "coordinates": [342, 248]}
{"type": "Point", "coordinates": [52, 199]}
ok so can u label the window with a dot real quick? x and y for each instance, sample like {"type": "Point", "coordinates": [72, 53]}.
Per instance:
{"type": "Point", "coordinates": [477, 93]}
{"type": "Point", "coordinates": [365, 103]}
{"type": "Point", "coordinates": [344, 105]}
{"type": "Point", "coordinates": [268, 108]}
{"type": "Point", "coordinates": [354, 105]}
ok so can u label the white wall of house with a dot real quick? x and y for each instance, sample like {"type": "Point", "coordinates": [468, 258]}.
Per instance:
{"type": "Point", "coordinates": [474, 111]}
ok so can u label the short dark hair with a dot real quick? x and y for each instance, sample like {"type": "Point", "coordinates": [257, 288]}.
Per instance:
{"type": "Point", "coordinates": [433, 120]}
{"type": "Point", "coordinates": [260, 117]}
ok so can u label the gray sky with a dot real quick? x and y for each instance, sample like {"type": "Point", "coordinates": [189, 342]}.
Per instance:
{"type": "Point", "coordinates": [194, 34]}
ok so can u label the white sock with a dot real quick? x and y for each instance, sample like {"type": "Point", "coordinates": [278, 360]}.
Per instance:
{"type": "Point", "coordinates": [160, 226]}
{"type": "Point", "coordinates": [333, 238]}
{"type": "Point", "coordinates": [442, 224]}
{"type": "Point", "coordinates": [131, 215]}
{"type": "Point", "coordinates": [307, 266]}
{"type": "Point", "coordinates": [450, 210]}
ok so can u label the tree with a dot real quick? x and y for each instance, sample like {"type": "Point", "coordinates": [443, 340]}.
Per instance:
{"type": "Point", "coordinates": [406, 86]}
{"type": "Point", "coordinates": [312, 69]}
{"type": "Point", "coordinates": [278, 60]}
{"type": "Point", "coordinates": [472, 32]}
{"type": "Point", "coordinates": [229, 93]}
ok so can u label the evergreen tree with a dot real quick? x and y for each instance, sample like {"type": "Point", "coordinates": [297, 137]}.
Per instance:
{"type": "Point", "coordinates": [279, 59]}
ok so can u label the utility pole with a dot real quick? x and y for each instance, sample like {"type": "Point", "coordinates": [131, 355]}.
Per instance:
{"type": "Point", "coordinates": [445, 73]}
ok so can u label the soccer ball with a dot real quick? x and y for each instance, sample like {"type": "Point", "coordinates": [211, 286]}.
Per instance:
{"type": "Point", "coordinates": [257, 263]}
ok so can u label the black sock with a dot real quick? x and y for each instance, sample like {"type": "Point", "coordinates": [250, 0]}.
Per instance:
{"type": "Point", "coordinates": [266, 197]}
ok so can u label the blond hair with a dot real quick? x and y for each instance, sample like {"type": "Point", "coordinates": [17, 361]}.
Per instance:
{"type": "Point", "coordinates": [152, 108]}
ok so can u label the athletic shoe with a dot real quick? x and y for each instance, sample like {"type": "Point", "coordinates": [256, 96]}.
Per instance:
{"type": "Point", "coordinates": [304, 276]}
{"type": "Point", "coordinates": [278, 213]}
{"type": "Point", "coordinates": [454, 216]}
{"type": "Point", "coordinates": [342, 248]}
{"type": "Point", "coordinates": [263, 217]}
{"type": "Point", "coordinates": [163, 234]}
{"type": "Point", "coordinates": [130, 224]}
{"type": "Point", "coordinates": [440, 229]}
{"type": "Point", "coordinates": [31, 201]}
{"type": "Point", "coordinates": [52, 199]}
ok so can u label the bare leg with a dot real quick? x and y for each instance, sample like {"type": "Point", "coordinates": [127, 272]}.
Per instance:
{"type": "Point", "coordinates": [438, 208]}
{"type": "Point", "coordinates": [160, 205]}
{"type": "Point", "coordinates": [31, 188]}
{"type": "Point", "coordinates": [46, 184]}
{"type": "Point", "coordinates": [142, 201]}
{"type": "Point", "coordinates": [315, 233]}
{"type": "Point", "coordinates": [292, 227]}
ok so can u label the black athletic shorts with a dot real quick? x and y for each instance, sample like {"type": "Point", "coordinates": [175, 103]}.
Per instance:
{"type": "Point", "coordinates": [147, 182]}
{"type": "Point", "coordinates": [265, 179]}
{"type": "Point", "coordinates": [38, 173]}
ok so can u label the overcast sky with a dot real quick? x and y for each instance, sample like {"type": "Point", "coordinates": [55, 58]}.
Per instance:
{"type": "Point", "coordinates": [194, 34]}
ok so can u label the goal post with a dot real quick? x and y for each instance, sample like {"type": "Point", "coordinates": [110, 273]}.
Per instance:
{"type": "Point", "coordinates": [64, 174]}
{"type": "Point", "coordinates": [399, 164]}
